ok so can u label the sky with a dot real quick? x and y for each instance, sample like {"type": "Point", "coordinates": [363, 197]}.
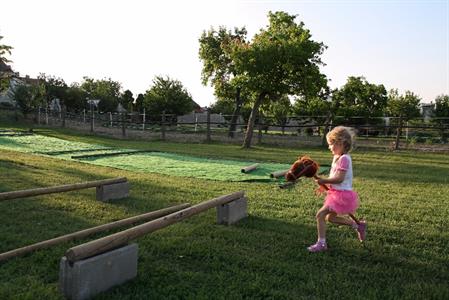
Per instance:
{"type": "Point", "coordinates": [401, 44]}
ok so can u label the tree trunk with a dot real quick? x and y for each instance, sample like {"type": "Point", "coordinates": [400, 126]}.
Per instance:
{"type": "Point", "coordinates": [326, 129]}
{"type": "Point", "coordinates": [238, 105]}
{"type": "Point", "coordinates": [398, 134]}
{"type": "Point", "coordinates": [252, 118]}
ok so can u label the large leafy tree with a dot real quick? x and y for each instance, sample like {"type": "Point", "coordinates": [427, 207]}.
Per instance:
{"type": "Point", "coordinates": [218, 66]}
{"type": "Point", "coordinates": [4, 76]}
{"type": "Point", "coordinates": [75, 97]}
{"type": "Point", "coordinates": [442, 115]}
{"type": "Point", "coordinates": [106, 90]}
{"type": "Point", "coordinates": [127, 99]}
{"type": "Point", "coordinates": [403, 107]}
{"type": "Point", "coordinates": [29, 97]}
{"type": "Point", "coordinates": [167, 95]}
{"type": "Point", "coordinates": [360, 98]}
{"type": "Point", "coordinates": [53, 87]}
{"type": "Point", "coordinates": [282, 59]}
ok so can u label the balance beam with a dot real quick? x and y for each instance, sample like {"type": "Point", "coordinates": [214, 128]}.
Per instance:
{"type": "Point", "coordinates": [86, 232]}
{"type": "Point", "coordinates": [118, 239]}
{"type": "Point", "coordinates": [60, 188]}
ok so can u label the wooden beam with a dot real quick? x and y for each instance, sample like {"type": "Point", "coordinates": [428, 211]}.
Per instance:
{"type": "Point", "coordinates": [122, 238]}
{"type": "Point", "coordinates": [86, 232]}
{"type": "Point", "coordinates": [59, 189]}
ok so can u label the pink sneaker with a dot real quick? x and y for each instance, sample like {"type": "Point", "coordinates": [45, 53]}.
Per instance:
{"type": "Point", "coordinates": [361, 231]}
{"type": "Point", "coordinates": [317, 247]}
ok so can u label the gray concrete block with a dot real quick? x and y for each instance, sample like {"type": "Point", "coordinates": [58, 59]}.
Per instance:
{"type": "Point", "coordinates": [232, 212]}
{"type": "Point", "coordinates": [113, 191]}
{"type": "Point", "coordinates": [85, 278]}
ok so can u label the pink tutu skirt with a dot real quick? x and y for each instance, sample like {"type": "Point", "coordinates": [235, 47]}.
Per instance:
{"type": "Point", "coordinates": [342, 201]}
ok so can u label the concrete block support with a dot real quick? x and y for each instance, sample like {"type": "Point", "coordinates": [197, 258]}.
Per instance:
{"type": "Point", "coordinates": [232, 212]}
{"type": "Point", "coordinates": [113, 191]}
{"type": "Point", "coordinates": [86, 278]}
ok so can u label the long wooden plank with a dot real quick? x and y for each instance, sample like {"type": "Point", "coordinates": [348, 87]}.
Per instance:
{"type": "Point", "coordinates": [86, 232]}
{"type": "Point", "coordinates": [122, 238]}
{"type": "Point", "coordinates": [59, 188]}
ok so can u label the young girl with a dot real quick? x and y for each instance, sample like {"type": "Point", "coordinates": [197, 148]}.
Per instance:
{"type": "Point", "coordinates": [340, 199]}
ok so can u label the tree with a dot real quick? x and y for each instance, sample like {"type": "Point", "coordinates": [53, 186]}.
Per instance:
{"type": "Point", "coordinates": [139, 103]}
{"type": "Point", "coordinates": [53, 87]}
{"type": "Point", "coordinates": [404, 107]}
{"type": "Point", "coordinates": [29, 97]}
{"type": "Point", "coordinates": [167, 95]}
{"type": "Point", "coordinates": [218, 66]}
{"type": "Point", "coordinates": [281, 60]}
{"type": "Point", "coordinates": [442, 115]}
{"type": "Point", "coordinates": [358, 97]}
{"type": "Point", "coordinates": [280, 110]}
{"type": "Point", "coordinates": [4, 75]}
{"type": "Point", "coordinates": [127, 99]}
{"type": "Point", "coordinates": [106, 90]}
{"type": "Point", "coordinates": [75, 97]}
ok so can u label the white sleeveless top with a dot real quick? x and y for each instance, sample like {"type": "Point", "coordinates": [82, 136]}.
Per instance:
{"type": "Point", "coordinates": [342, 163]}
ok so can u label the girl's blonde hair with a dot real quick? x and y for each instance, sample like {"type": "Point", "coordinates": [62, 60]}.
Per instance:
{"type": "Point", "coordinates": [343, 135]}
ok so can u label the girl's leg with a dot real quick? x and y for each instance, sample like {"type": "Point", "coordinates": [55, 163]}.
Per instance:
{"type": "Point", "coordinates": [321, 222]}
{"type": "Point", "coordinates": [320, 245]}
{"type": "Point", "coordinates": [336, 219]}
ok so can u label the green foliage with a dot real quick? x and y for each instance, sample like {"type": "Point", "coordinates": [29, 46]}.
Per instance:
{"type": "Point", "coordinates": [75, 97]}
{"type": "Point", "coordinates": [4, 76]}
{"type": "Point", "coordinates": [4, 50]}
{"type": "Point", "coordinates": [442, 108]}
{"type": "Point", "coordinates": [127, 99]}
{"type": "Point", "coordinates": [358, 97]}
{"type": "Point", "coordinates": [138, 105]}
{"type": "Point", "coordinates": [29, 97]}
{"type": "Point", "coordinates": [404, 106]}
{"type": "Point", "coordinates": [106, 90]}
{"type": "Point", "coordinates": [167, 95]}
{"type": "Point", "coordinates": [53, 87]}
{"type": "Point", "coordinates": [442, 115]}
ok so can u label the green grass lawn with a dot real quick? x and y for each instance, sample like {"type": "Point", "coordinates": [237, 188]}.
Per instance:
{"type": "Point", "coordinates": [404, 198]}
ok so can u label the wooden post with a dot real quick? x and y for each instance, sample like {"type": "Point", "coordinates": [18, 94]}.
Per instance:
{"type": "Point", "coordinates": [59, 189]}
{"type": "Point", "coordinates": [46, 115]}
{"type": "Point", "coordinates": [86, 232]}
{"type": "Point", "coordinates": [123, 115]}
{"type": "Point", "coordinates": [143, 120]}
{"type": "Point", "coordinates": [208, 139]}
{"type": "Point", "coordinates": [121, 238]}
{"type": "Point", "coordinates": [84, 115]}
{"type": "Point", "coordinates": [92, 117]}
{"type": "Point", "coordinates": [64, 112]}
{"type": "Point", "coordinates": [39, 115]}
{"type": "Point", "coordinates": [110, 119]}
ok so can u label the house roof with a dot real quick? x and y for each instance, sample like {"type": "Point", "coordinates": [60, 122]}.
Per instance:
{"type": "Point", "coordinates": [4, 67]}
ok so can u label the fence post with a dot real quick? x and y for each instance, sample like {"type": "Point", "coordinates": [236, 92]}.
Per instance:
{"type": "Point", "coordinates": [64, 111]}
{"type": "Point", "coordinates": [46, 115]}
{"type": "Point", "coordinates": [143, 120]}
{"type": "Point", "coordinates": [259, 135]}
{"type": "Point", "coordinates": [39, 115]}
{"type": "Point", "coordinates": [123, 124]}
{"type": "Point", "coordinates": [92, 118]}
{"type": "Point", "coordinates": [84, 115]}
{"type": "Point", "coordinates": [163, 126]}
{"type": "Point", "coordinates": [110, 119]}
{"type": "Point", "coordinates": [208, 139]}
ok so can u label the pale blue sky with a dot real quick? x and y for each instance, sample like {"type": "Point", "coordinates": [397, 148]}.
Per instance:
{"type": "Point", "coordinates": [401, 44]}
